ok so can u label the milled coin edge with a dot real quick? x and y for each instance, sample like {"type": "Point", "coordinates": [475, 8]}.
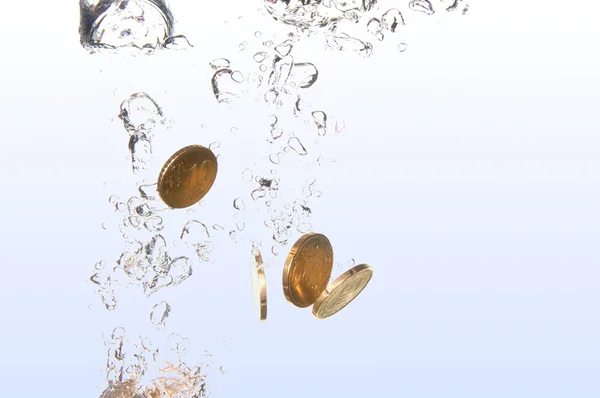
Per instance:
{"type": "Point", "coordinates": [336, 283]}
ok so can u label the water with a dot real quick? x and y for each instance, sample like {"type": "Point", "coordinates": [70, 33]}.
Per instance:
{"type": "Point", "coordinates": [269, 198]}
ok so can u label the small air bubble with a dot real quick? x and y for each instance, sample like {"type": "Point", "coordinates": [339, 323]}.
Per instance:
{"type": "Point", "coordinates": [237, 77]}
{"type": "Point", "coordinates": [257, 34]}
{"type": "Point", "coordinates": [159, 314]}
{"type": "Point", "coordinates": [423, 6]}
{"type": "Point", "coordinates": [297, 146]}
{"type": "Point", "coordinates": [219, 63]}
{"type": "Point", "coordinates": [274, 158]}
{"type": "Point", "coordinates": [118, 333]}
{"type": "Point", "coordinates": [238, 204]}
{"type": "Point", "coordinates": [233, 130]}
{"type": "Point", "coordinates": [104, 226]}
{"type": "Point", "coordinates": [402, 47]}
{"type": "Point", "coordinates": [260, 56]}
{"type": "Point", "coordinates": [304, 228]}
{"type": "Point", "coordinates": [247, 175]}
{"type": "Point", "coordinates": [262, 68]}
{"type": "Point", "coordinates": [272, 120]}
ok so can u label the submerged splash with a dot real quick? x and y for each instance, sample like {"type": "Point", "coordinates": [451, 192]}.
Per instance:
{"type": "Point", "coordinates": [139, 24]}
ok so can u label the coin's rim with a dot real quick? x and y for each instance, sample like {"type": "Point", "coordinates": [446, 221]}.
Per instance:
{"type": "Point", "coordinates": [287, 268]}
{"type": "Point", "coordinates": [262, 282]}
{"type": "Point", "coordinates": [338, 282]}
{"type": "Point", "coordinates": [169, 162]}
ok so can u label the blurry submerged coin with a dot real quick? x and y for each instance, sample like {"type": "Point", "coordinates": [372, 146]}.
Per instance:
{"type": "Point", "coordinates": [342, 291]}
{"type": "Point", "coordinates": [259, 287]}
{"type": "Point", "coordinates": [187, 176]}
{"type": "Point", "coordinates": [307, 269]}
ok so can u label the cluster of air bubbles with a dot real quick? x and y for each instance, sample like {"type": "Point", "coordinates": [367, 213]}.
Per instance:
{"type": "Point", "coordinates": [277, 75]}
{"type": "Point", "coordinates": [141, 212]}
{"type": "Point", "coordinates": [266, 188]}
{"type": "Point", "coordinates": [337, 18]}
{"type": "Point", "coordinates": [284, 221]}
{"type": "Point", "coordinates": [144, 264]}
{"type": "Point", "coordinates": [196, 235]}
{"type": "Point", "coordinates": [141, 25]}
{"type": "Point", "coordinates": [128, 365]}
{"type": "Point", "coordinates": [140, 114]}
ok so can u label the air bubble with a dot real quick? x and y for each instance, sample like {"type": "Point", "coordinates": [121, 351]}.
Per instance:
{"type": "Point", "coordinates": [297, 146]}
{"type": "Point", "coordinates": [423, 6]}
{"type": "Point", "coordinates": [247, 175]}
{"type": "Point", "coordinates": [240, 225]}
{"type": "Point", "coordinates": [237, 77]}
{"type": "Point", "coordinates": [220, 63]}
{"type": "Point", "coordinates": [238, 204]}
{"type": "Point", "coordinates": [260, 56]}
{"type": "Point", "coordinates": [159, 314]}
{"type": "Point", "coordinates": [402, 47]}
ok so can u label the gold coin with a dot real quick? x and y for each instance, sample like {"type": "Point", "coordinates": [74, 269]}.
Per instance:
{"type": "Point", "coordinates": [187, 176]}
{"type": "Point", "coordinates": [342, 291]}
{"type": "Point", "coordinates": [259, 287]}
{"type": "Point", "coordinates": [307, 269]}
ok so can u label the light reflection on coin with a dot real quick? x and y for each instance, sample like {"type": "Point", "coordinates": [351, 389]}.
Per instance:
{"type": "Point", "coordinates": [259, 287]}
{"type": "Point", "coordinates": [307, 269]}
{"type": "Point", "coordinates": [187, 176]}
{"type": "Point", "coordinates": [342, 291]}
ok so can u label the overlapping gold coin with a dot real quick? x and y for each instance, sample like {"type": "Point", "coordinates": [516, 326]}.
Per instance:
{"type": "Point", "coordinates": [342, 291]}
{"type": "Point", "coordinates": [187, 176]}
{"type": "Point", "coordinates": [259, 287]}
{"type": "Point", "coordinates": [307, 269]}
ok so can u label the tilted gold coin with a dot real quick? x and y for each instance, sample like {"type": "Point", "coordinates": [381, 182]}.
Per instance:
{"type": "Point", "coordinates": [342, 291]}
{"type": "Point", "coordinates": [307, 269]}
{"type": "Point", "coordinates": [187, 176]}
{"type": "Point", "coordinates": [259, 287]}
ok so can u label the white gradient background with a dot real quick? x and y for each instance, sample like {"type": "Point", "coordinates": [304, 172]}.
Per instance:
{"type": "Point", "coordinates": [468, 176]}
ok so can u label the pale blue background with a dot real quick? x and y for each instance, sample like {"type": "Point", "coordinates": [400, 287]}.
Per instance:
{"type": "Point", "coordinates": [468, 176]}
